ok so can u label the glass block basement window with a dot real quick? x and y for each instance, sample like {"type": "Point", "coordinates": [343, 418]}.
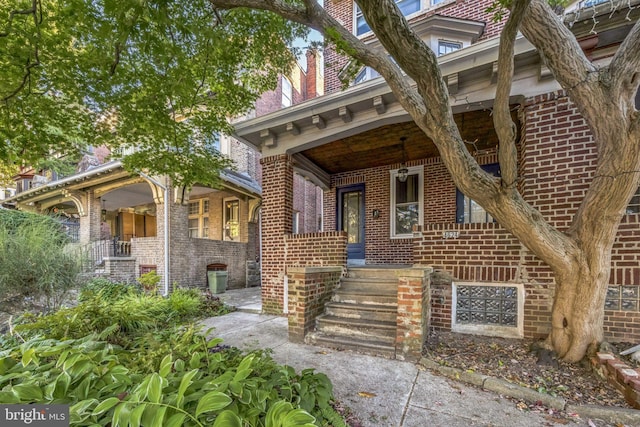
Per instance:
{"type": "Point", "coordinates": [622, 298]}
{"type": "Point", "coordinates": [491, 309]}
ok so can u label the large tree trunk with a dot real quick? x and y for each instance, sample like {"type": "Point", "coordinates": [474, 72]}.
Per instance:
{"type": "Point", "coordinates": [577, 315]}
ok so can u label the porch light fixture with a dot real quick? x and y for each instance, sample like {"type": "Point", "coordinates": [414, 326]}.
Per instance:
{"type": "Point", "coordinates": [403, 172]}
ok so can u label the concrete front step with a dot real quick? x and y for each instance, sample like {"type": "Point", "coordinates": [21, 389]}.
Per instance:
{"type": "Point", "coordinates": [364, 298]}
{"type": "Point", "coordinates": [383, 347]}
{"type": "Point", "coordinates": [378, 312]}
{"type": "Point", "coordinates": [386, 272]}
{"type": "Point", "coordinates": [364, 328]}
{"type": "Point", "coordinates": [374, 286]}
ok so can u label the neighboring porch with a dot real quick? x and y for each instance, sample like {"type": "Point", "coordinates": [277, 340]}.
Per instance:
{"type": "Point", "coordinates": [129, 224]}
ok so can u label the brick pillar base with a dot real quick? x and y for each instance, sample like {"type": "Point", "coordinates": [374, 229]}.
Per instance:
{"type": "Point", "coordinates": [310, 288]}
{"type": "Point", "coordinates": [413, 312]}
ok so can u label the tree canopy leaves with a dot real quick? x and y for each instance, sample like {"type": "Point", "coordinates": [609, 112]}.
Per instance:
{"type": "Point", "coordinates": [158, 76]}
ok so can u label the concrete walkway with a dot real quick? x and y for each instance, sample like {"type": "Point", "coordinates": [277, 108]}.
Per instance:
{"type": "Point", "coordinates": [381, 392]}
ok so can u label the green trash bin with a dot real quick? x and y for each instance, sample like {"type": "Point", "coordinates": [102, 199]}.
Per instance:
{"type": "Point", "coordinates": [217, 276]}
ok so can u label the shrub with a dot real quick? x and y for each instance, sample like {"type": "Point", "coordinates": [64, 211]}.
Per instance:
{"type": "Point", "coordinates": [33, 262]}
{"type": "Point", "coordinates": [121, 312]}
{"type": "Point", "coordinates": [149, 281]}
{"type": "Point", "coordinates": [171, 376]}
{"type": "Point", "coordinates": [107, 290]}
{"type": "Point", "coordinates": [160, 372]}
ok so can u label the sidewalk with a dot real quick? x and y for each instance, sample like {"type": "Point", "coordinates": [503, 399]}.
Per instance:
{"type": "Point", "coordinates": [382, 392]}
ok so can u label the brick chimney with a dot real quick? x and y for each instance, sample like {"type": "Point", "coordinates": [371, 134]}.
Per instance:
{"type": "Point", "coordinates": [312, 74]}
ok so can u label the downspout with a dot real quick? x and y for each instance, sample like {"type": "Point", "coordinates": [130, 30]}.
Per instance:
{"type": "Point", "coordinates": [165, 188]}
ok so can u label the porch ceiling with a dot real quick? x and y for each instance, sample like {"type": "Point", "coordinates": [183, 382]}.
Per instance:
{"type": "Point", "coordinates": [382, 146]}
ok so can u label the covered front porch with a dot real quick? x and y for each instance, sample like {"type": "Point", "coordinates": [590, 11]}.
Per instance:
{"type": "Point", "coordinates": [128, 224]}
{"type": "Point", "coordinates": [387, 192]}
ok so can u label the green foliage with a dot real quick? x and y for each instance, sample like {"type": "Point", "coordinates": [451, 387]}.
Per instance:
{"type": "Point", "coordinates": [106, 290]}
{"type": "Point", "coordinates": [149, 281]}
{"type": "Point", "coordinates": [155, 376]}
{"type": "Point", "coordinates": [121, 313]}
{"type": "Point", "coordinates": [33, 260]}
{"type": "Point", "coordinates": [127, 73]}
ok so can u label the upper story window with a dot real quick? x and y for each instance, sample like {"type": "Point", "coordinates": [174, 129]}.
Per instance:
{"type": "Point", "coordinates": [212, 142]}
{"type": "Point", "coordinates": [407, 7]}
{"type": "Point", "coordinates": [367, 73]}
{"type": "Point", "coordinates": [406, 202]}
{"type": "Point", "coordinates": [287, 92]}
{"type": "Point", "coordinates": [589, 3]}
{"type": "Point", "coordinates": [468, 211]}
{"type": "Point", "coordinates": [445, 47]}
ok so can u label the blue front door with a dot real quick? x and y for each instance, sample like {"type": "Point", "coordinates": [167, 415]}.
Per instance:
{"type": "Point", "coordinates": [350, 217]}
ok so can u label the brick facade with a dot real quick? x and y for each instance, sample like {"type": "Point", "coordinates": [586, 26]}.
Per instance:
{"type": "Point", "coordinates": [316, 249]}
{"type": "Point", "coordinates": [343, 10]}
{"type": "Point", "coordinates": [557, 162]}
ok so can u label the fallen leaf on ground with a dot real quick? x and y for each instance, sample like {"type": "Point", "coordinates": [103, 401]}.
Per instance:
{"type": "Point", "coordinates": [366, 394]}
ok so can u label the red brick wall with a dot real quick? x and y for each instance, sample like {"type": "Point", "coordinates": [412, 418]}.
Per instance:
{"type": "Point", "coordinates": [307, 200]}
{"type": "Point", "coordinates": [439, 198]}
{"type": "Point", "coordinates": [343, 11]}
{"type": "Point", "coordinates": [316, 249]}
{"type": "Point", "coordinates": [309, 290]}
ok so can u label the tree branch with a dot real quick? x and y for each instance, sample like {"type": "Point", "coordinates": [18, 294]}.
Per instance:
{"type": "Point", "coordinates": [428, 105]}
{"type": "Point", "coordinates": [625, 69]}
{"type": "Point", "coordinates": [31, 11]}
{"type": "Point", "coordinates": [564, 56]}
{"type": "Point", "coordinates": [505, 128]}
{"type": "Point", "coordinates": [314, 16]}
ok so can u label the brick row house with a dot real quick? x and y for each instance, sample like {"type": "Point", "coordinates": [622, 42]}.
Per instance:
{"type": "Point", "coordinates": [126, 224]}
{"type": "Point", "coordinates": [391, 209]}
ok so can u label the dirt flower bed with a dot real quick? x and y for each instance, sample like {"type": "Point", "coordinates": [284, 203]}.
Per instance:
{"type": "Point", "coordinates": [513, 360]}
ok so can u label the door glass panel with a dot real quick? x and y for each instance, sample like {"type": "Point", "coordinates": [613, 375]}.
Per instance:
{"type": "Point", "coordinates": [232, 219]}
{"type": "Point", "coordinates": [351, 216]}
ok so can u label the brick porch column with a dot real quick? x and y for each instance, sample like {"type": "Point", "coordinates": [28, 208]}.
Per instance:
{"type": "Point", "coordinates": [277, 212]}
{"type": "Point", "coordinates": [90, 222]}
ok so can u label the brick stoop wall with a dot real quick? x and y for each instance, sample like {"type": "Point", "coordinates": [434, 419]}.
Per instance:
{"type": "Point", "coordinates": [619, 374]}
{"type": "Point", "coordinates": [412, 321]}
{"type": "Point", "coordinates": [310, 288]}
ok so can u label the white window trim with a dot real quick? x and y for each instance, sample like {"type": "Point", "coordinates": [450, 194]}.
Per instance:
{"type": "Point", "coordinates": [488, 330]}
{"type": "Point", "coordinates": [224, 219]}
{"type": "Point", "coordinates": [296, 223]}
{"type": "Point", "coordinates": [289, 92]}
{"type": "Point", "coordinates": [419, 170]}
{"type": "Point", "coordinates": [200, 216]}
{"type": "Point", "coordinates": [424, 5]}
